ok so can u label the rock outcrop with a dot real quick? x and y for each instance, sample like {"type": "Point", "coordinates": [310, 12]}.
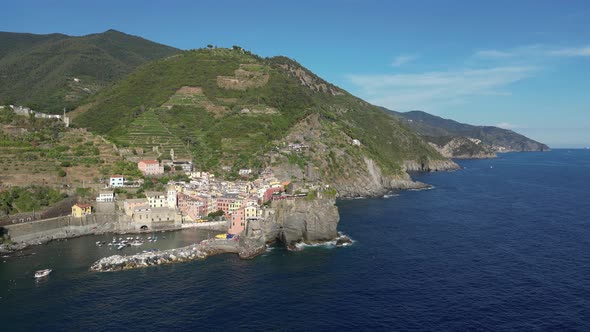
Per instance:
{"type": "Point", "coordinates": [461, 147]}
{"type": "Point", "coordinates": [290, 222]}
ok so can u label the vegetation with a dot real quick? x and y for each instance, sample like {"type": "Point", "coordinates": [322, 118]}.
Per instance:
{"type": "Point", "coordinates": [50, 72]}
{"type": "Point", "coordinates": [24, 199]}
{"type": "Point", "coordinates": [153, 108]}
{"type": "Point", "coordinates": [435, 128]}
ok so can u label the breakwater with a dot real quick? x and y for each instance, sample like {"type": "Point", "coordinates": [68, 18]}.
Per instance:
{"type": "Point", "coordinates": [196, 251]}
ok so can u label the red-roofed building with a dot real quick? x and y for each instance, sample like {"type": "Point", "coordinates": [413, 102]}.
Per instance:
{"type": "Point", "coordinates": [80, 210]}
{"type": "Point", "coordinates": [269, 192]}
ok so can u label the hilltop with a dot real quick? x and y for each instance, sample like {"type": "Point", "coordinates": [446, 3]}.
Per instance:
{"type": "Point", "coordinates": [229, 109]}
{"type": "Point", "coordinates": [50, 72]}
{"type": "Point", "coordinates": [464, 140]}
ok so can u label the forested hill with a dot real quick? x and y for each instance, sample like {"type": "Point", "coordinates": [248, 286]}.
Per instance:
{"type": "Point", "coordinates": [499, 139]}
{"type": "Point", "coordinates": [229, 108]}
{"type": "Point", "coordinates": [49, 72]}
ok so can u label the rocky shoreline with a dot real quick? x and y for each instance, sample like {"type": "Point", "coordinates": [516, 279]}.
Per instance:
{"type": "Point", "coordinates": [193, 252]}
{"type": "Point", "coordinates": [178, 255]}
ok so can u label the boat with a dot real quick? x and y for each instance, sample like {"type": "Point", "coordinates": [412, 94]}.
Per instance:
{"type": "Point", "coordinates": [42, 273]}
{"type": "Point", "coordinates": [120, 247]}
{"type": "Point", "coordinates": [136, 243]}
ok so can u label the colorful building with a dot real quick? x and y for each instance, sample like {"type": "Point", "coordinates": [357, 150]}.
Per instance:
{"type": "Point", "coordinates": [238, 222]}
{"type": "Point", "coordinates": [156, 199]}
{"type": "Point", "coordinates": [80, 210]}
{"type": "Point", "coordinates": [131, 204]}
{"type": "Point", "coordinates": [150, 167]}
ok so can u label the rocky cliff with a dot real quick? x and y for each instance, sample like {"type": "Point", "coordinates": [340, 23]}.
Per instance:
{"type": "Point", "coordinates": [292, 221]}
{"type": "Point", "coordinates": [332, 156]}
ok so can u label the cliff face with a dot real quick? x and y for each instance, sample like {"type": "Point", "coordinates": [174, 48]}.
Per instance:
{"type": "Point", "coordinates": [368, 180]}
{"type": "Point", "coordinates": [290, 222]}
{"type": "Point", "coordinates": [351, 166]}
{"type": "Point", "coordinates": [461, 147]}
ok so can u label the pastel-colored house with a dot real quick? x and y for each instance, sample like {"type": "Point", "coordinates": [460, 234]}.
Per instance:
{"type": "Point", "coordinates": [150, 167]}
{"type": "Point", "coordinates": [80, 210]}
{"type": "Point", "coordinates": [238, 221]}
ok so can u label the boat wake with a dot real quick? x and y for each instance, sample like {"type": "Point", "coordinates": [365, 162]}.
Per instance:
{"type": "Point", "coordinates": [342, 240]}
{"type": "Point", "coordinates": [421, 189]}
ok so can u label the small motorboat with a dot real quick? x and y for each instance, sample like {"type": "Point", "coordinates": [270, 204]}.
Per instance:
{"type": "Point", "coordinates": [120, 247]}
{"type": "Point", "coordinates": [42, 273]}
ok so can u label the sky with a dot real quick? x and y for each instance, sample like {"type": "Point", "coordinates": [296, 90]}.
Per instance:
{"type": "Point", "coordinates": [521, 65]}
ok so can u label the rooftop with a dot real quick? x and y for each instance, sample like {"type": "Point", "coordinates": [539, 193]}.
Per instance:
{"type": "Point", "coordinates": [150, 161]}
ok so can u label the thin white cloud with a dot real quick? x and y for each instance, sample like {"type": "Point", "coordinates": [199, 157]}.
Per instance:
{"type": "Point", "coordinates": [493, 54]}
{"type": "Point", "coordinates": [529, 52]}
{"type": "Point", "coordinates": [401, 60]}
{"type": "Point", "coordinates": [571, 52]}
{"type": "Point", "coordinates": [430, 91]}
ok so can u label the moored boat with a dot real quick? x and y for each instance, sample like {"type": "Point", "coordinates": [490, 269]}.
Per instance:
{"type": "Point", "coordinates": [42, 273]}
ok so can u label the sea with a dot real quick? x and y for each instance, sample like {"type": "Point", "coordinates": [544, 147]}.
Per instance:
{"type": "Point", "coordinates": [502, 244]}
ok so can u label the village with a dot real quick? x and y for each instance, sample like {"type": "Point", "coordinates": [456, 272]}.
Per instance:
{"type": "Point", "coordinates": [202, 199]}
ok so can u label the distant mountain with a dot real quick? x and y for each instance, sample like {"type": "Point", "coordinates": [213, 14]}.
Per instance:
{"type": "Point", "coordinates": [49, 72]}
{"type": "Point", "coordinates": [440, 131]}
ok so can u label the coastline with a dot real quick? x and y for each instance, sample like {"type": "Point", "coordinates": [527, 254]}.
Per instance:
{"type": "Point", "coordinates": [382, 187]}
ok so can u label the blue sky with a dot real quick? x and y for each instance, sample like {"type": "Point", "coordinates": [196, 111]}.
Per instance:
{"type": "Point", "coordinates": [523, 65]}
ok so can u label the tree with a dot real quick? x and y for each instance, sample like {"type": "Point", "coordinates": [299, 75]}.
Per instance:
{"type": "Point", "coordinates": [216, 214]}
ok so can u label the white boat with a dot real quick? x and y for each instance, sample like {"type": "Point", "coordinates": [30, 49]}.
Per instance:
{"type": "Point", "coordinates": [120, 247]}
{"type": "Point", "coordinates": [42, 273]}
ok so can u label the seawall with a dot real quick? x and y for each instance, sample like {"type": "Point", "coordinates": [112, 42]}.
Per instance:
{"type": "Point", "coordinates": [45, 230]}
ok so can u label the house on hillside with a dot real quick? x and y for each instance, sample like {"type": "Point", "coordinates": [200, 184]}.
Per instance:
{"type": "Point", "coordinates": [105, 196]}
{"type": "Point", "coordinates": [245, 171]}
{"type": "Point", "coordinates": [150, 167]}
{"type": "Point", "coordinates": [117, 181]}
{"type": "Point", "coordinates": [80, 210]}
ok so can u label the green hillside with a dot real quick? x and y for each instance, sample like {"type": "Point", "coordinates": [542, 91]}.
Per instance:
{"type": "Point", "coordinates": [431, 126]}
{"type": "Point", "coordinates": [49, 72]}
{"type": "Point", "coordinates": [229, 107]}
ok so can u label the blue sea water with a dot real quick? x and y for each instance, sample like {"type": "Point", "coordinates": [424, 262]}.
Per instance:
{"type": "Point", "coordinates": [502, 244]}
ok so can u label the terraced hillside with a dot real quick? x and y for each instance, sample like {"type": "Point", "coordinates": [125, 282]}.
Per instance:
{"type": "Point", "coordinates": [36, 151]}
{"type": "Point", "coordinates": [228, 107]}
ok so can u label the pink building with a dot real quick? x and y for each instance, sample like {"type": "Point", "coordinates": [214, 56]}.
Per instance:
{"type": "Point", "coordinates": [224, 203]}
{"type": "Point", "coordinates": [238, 221]}
{"type": "Point", "coordinates": [150, 167]}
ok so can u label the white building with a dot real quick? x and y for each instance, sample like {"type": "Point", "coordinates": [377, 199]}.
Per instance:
{"type": "Point", "coordinates": [171, 197]}
{"type": "Point", "coordinates": [156, 199]}
{"type": "Point", "coordinates": [117, 181]}
{"type": "Point", "coordinates": [105, 196]}
{"type": "Point", "coordinates": [245, 171]}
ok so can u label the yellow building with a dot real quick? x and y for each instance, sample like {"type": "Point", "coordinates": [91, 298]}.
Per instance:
{"type": "Point", "coordinates": [80, 210]}
{"type": "Point", "coordinates": [233, 206]}
{"type": "Point", "coordinates": [250, 211]}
